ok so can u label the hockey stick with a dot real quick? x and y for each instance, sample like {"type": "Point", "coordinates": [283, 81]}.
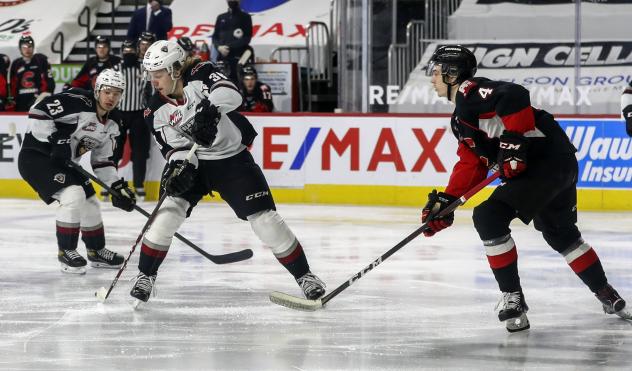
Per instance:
{"type": "Point", "coordinates": [12, 131]}
{"type": "Point", "coordinates": [312, 305]}
{"type": "Point", "coordinates": [232, 257]}
{"type": "Point", "coordinates": [103, 293]}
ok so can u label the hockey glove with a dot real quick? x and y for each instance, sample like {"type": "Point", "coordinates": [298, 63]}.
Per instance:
{"type": "Point", "coordinates": [61, 152]}
{"type": "Point", "coordinates": [177, 180]}
{"type": "Point", "coordinates": [512, 155]}
{"type": "Point", "coordinates": [204, 128]}
{"type": "Point", "coordinates": [122, 195]}
{"type": "Point", "coordinates": [437, 201]}
{"type": "Point", "coordinates": [627, 114]}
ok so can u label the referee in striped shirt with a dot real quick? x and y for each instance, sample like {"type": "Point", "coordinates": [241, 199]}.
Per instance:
{"type": "Point", "coordinates": [134, 102]}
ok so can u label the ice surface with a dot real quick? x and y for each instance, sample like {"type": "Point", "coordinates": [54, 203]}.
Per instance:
{"type": "Point", "coordinates": [429, 306]}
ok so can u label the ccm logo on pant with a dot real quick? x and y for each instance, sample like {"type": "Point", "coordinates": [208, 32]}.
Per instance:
{"type": "Point", "coordinates": [257, 195]}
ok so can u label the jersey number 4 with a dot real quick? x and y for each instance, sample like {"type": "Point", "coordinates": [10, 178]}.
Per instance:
{"type": "Point", "coordinates": [484, 92]}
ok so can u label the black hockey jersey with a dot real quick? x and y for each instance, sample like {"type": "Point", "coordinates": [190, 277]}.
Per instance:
{"type": "Point", "coordinates": [626, 108]}
{"type": "Point", "coordinates": [260, 100]}
{"type": "Point", "coordinates": [5, 63]}
{"type": "Point", "coordinates": [484, 110]}
{"type": "Point", "coordinates": [76, 108]}
{"type": "Point", "coordinates": [167, 116]}
{"type": "Point", "coordinates": [87, 76]}
{"type": "Point", "coordinates": [29, 79]}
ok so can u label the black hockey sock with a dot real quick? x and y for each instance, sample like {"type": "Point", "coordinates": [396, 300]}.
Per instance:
{"type": "Point", "coordinates": [508, 278]}
{"type": "Point", "coordinates": [150, 259]}
{"type": "Point", "coordinates": [93, 237]}
{"type": "Point", "coordinates": [295, 261]}
{"type": "Point", "coordinates": [594, 277]}
{"type": "Point", "coordinates": [67, 235]}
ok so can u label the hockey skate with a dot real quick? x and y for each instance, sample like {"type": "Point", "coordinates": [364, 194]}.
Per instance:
{"type": "Point", "coordinates": [613, 303]}
{"type": "Point", "coordinates": [104, 258]}
{"type": "Point", "coordinates": [514, 311]}
{"type": "Point", "coordinates": [142, 289]}
{"type": "Point", "coordinates": [71, 262]}
{"type": "Point", "coordinates": [312, 286]}
{"type": "Point", "coordinates": [140, 194]}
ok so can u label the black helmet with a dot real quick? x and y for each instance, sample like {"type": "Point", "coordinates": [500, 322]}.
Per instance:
{"type": "Point", "coordinates": [455, 61]}
{"type": "Point", "coordinates": [26, 39]}
{"type": "Point", "coordinates": [100, 39]}
{"type": "Point", "coordinates": [128, 45]}
{"type": "Point", "coordinates": [248, 71]}
{"type": "Point", "coordinates": [148, 37]}
{"type": "Point", "coordinates": [186, 44]}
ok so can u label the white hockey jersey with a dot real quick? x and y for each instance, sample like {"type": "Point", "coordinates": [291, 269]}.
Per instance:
{"type": "Point", "coordinates": [201, 81]}
{"type": "Point", "coordinates": [76, 108]}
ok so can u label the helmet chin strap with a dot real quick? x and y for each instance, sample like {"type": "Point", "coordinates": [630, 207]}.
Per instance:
{"type": "Point", "coordinates": [175, 83]}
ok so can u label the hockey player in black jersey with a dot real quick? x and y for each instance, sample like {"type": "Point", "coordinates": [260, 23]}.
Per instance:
{"type": "Point", "coordinates": [257, 95]}
{"type": "Point", "coordinates": [195, 103]}
{"type": "Point", "coordinates": [31, 76]}
{"type": "Point", "coordinates": [494, 122]}
{"type": "Point", "coordinates": [5, 63]}
{"type": "Point", "coordinates": [626, 108]}
{"type": "Point", "coordinates": [94, 65]}
{"type": "Point", "coordinates": [63, 127]}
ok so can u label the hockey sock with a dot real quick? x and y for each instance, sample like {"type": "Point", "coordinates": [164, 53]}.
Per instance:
{"type": "Point", "coordinates": [151, 256]}
{"type": "Point", "coordinates": [294, 260]}
{"type": "Point", "coordinates": [93, 237]}
{"type": "Point", "coordinates": [584, 261]}
{"type": "Point", "coordinates": [67, 235]}
{"type": "Point", "coordinates": [503, 260]}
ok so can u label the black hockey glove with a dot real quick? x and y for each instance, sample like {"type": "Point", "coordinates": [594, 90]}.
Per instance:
{"type": "Point", "coordinates": [512, 155]}
{"type": "Point", "coordinates": [61, 152]}
{"type": "Point", "coordinates": [437, 201]}
{"type": "Point", "coordinates": [627, 114]}
{"type": "Point", "coordinates": [177, 180]}
{"type": "Point", "coordinates": [122, 196]}
{"type": "Point", "coordinates": [204, 128]}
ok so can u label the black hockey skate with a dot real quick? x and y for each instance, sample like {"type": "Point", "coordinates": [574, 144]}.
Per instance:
{"type": "Point", "coordinates": [514, 311]}
{"type": "Point", "coordinates": [312, 286]}
{"type": "Point", "coordinates": [104, 258]}
{"type": "Point", "coordinates": [612, 302]}
{"type": "Point", "coordinates": [71, 262]}
{"type": "Point", "coordinates": [143, 287]}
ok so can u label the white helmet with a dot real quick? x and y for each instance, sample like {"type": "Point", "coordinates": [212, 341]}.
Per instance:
{"type": "Point", "coordinates": [164, 54]}
{"type": "Point", "coordinates": [109, 77]}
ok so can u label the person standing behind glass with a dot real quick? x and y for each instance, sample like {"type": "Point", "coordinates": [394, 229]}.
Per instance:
{"type": "Point", "coordinates": [233, 32]}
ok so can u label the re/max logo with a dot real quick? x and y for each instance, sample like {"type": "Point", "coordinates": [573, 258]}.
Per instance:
{"type": "Point", "coordinates": [385, 148]}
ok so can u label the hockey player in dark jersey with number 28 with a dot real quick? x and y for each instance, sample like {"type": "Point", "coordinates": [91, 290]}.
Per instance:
{"type": "Point", "coordinates": [494, 122]}
{"type": "Point", "coordinates": [194, 102]}
{"type": "Point", "coordinates": [64, 127]}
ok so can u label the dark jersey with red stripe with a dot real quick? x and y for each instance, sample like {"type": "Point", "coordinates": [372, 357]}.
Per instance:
{"type": "Point", "coordinates": [29, 79]}
{"type": "Point", "coordinates": [259, 100]}
{"type": "Point", "coordinates": [4, 69]}
{"type": "Point", "coordinates": [87, 76]}
{"type": "Point", "coordinates": [484, 110]}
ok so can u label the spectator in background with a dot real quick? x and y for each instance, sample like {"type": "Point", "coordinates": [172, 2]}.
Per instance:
{"type": "Point", "coordinates": [154, 18]}
{"type": "Point", "coordinates": [5, 63]}
{"type": "Point", "coordinates": [94, 65]}
{"type": "Point", "coordinates": [257, 95]}
{"type": "Point", "coordinates": [31, 76]}
{"type": "Point", "coordinates": [626, 108]}
{"type": "Point", "coordinates": [233, 31]}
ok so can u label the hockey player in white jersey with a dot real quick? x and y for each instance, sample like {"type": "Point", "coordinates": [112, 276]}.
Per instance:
{"type": "Point", "coordinates": [196, 103]}
{"type": "Point", "coordinates": [63, 127]}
